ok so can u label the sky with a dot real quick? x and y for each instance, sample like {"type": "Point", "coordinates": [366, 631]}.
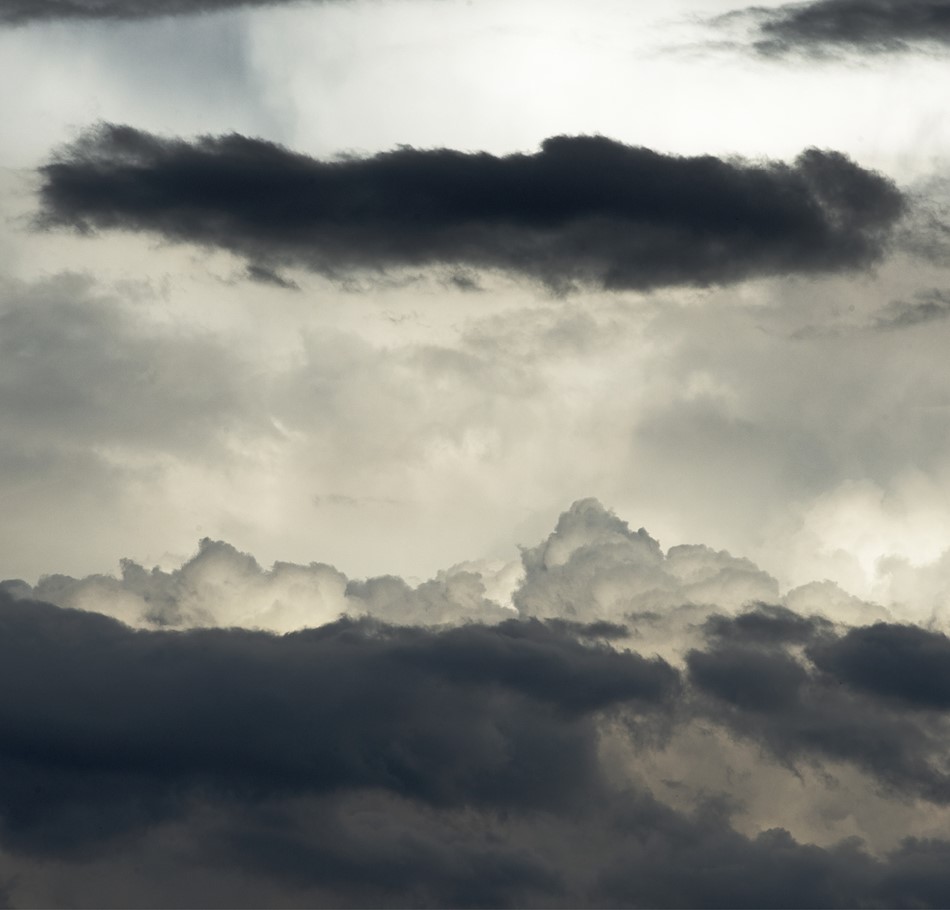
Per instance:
{"type": "Point", "coordinates": [474, 453]}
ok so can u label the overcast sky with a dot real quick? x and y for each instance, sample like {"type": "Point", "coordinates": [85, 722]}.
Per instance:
{"type": "Point", "coordinates": [417, 310]}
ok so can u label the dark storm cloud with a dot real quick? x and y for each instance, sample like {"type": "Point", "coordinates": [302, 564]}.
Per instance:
{"type": "Point", "coordinates": [402, 857]}
{"type": "Point", "coordinates": [848, 703]}
{"type": "Point", "coordinates": [630, 852]}
{"type": "Point", "coordinates": [767, 624]}
{"type": "Point", "coordinates": [901, 662]}
{"type": "Point", "coordinates": [864, 25]}
{"type": "Point", "coordinates": [748, 678]}
{"type": "Point", "coordinates": [372, 850]}
{"type": "Point", "coordinates": [676, 861]}
{"type": "Point", "coordinates": [364, 764]}
{"type": "Point", "coordinates": [583, 210]}
{"type": "Point", "coordinates": [701, 861]}
{"type": "Point", "coordinates": [18, 12]}
{"type": "Point", "coordinates": [492, 716]}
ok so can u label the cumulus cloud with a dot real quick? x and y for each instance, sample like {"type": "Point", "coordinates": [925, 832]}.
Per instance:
{"type": "Point", "coordinates": [221, 586]}
{"type": "Point", "coordinates": [583, 210]}
{"type": "Point", "coordinates": [824, 26]}
{"type": "Point", "coordinates": [593, 566]}
{"type": "Point", "coordinates": [19, 12]}
{"type": "Point", "coordinates": [493, 759]}
{"type": "Point", "coordinates": [592, 571]}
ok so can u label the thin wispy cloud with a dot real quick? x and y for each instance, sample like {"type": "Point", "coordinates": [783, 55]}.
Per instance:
{"type": "Point", "coordinates": [928, 306]}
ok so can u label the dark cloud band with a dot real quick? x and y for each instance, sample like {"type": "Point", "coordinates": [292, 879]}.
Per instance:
{"type": "Point", "coordinates": [582, 210]}
{"type": "Point", "coordinates": [18, 12]}
{"type": "Point", "coordinates": [477, 715]}
{"type": "Point", "coordinates": [362, 764]}
{"type": "Point", "coordinates": [865, 25]}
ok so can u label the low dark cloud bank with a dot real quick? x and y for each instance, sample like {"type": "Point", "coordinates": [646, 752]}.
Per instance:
{"type": "Point", "coordinates": [19, 12]}
{"type": "Point", "coordinates": [583, 210]}
{"type": "Point", "coordinates": [487, 762]}
{"type": "Point", "coordinates": [119, 724]}
{"type": "Point", "coordinates": [847, 707]}
{"type": "Point", "coordinates": [861, 25]}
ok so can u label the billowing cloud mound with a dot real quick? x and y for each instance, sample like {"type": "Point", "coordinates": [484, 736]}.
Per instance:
{"type": "Point", "coordinates": [462, 753]}
{"type": "Point", "coordinates": [584, 210]}
{"type": "Point", "coordinates": [20, 11]}
{"type": "Point", "coordinates": [221, 586]}
{"type": "Point", "coordinates": [591, 569]}
{"type": "Point", "coordinates": [866, 25]}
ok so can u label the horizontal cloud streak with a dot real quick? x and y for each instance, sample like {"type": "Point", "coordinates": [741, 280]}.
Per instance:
{"type": "Point", "coordinates": [18, 12]}
{"type": "Point", "coordinates": [582, 211]}
{"type": "Point", "coordinates": [863, 25]}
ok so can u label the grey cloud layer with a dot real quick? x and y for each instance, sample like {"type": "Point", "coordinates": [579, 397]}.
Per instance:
{"type": "Point", "coordinates": [78, 366]}
{"type": "Point", "coordinates": [359, 763]}
{"type": "Point", "coordinates": [928, 306]}
{"type": "Point", "coordinates": [865, 25]}
{"type": "Point", "coordinates": [17, 12]}
{"type": "Point", "coordinates": [583, 210]}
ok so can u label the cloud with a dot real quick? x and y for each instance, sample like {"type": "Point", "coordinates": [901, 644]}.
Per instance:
{"type": "Point", "coordinates": [126, 723]}
{"type": "Point", "coordinates": [876, 26]}
{"type": "Point", "coordinates": [83, 370]}
{"type": "Point", "coordinates": [591, 575]}
{"type": "Point", "coordinates": [901, 662]}
{"type": "Point", "coordinates": [100, 397]}
{"type": "Point", "coordinates": [828, 707]}
{"type": "Point", "coordinates": [767, 624]}
{"type": "Point", "coordinates": [264, 275]}
{"type": "Point", "coordinates": [19, 12]}
{"type": "Point", "coordinates": [458, 754]}
{"type": "Point", "coordinates": [593, 567]}
{"type": "Point", "coordinates": [221, 586]}
{"type": "Point", "coordinates": [928, 306]}
{"type": "Point", "coordinates": [582, 211]}
{"type": "Point", "coordinates": [685, 863]}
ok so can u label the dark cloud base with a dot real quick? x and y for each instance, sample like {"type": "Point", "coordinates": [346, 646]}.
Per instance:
{"type": "Point", "coordinates": [859, 25]}
{"type": "Point", "coordinates": [368, 763]}
{"type": "Point", "coordinates": [584, 210]}
{"type": "Point", "coordinates": [19, 12]}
